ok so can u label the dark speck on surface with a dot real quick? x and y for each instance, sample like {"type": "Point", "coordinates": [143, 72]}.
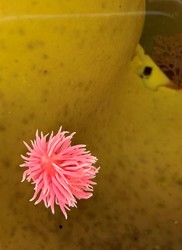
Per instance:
{"type": "Point", "coordinates": [45, 56]}
{"type": "Point", "coordinates": [6, 162]}
{"type": "Point", "coordinates": [21, 32]}
{"type": "Point", "coordinates": [35, 44]}
{"type": "Point", "coordinates": [147, 71]}
{"type": "Point", "coordinates": [179, 181]}
{"type": "Point", "coordinates": [2, 128]}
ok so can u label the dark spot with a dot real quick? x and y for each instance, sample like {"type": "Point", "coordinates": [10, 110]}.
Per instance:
{"type": "Point", "coordinates": [21, 32]}
{"type": "Point", "coordinates": [30, 46]}
{"type": "Point", "coordinates": [32, 115]}
{"type": "Point", "coordinates": [44, 56]}
{"type": "Point", "coordinates": [12, 232]}
{"type": "Point", "coordinates": [161, 179]}
{"type": "Point", "coordinates": [143, 160]}
{"type": "Point", "coordinates": [179, 182]}
{"type": "Point", "coordinates": [2, 128]}
{"type": "Point", "coordinates": [6, 162]}
{"type": "Point", "coordinates": [19, 195]}
{"type": "Point", "coordinates": [147, 71]}
{"type": "Point", "coordinates": [60, 226]}
{"type": "Point", "coordinates": [44, 100]}
{"type": "Point", "coordinates": [79, 84]}
{"type": "Point", "coordinates": [35, 44]}
{"type": "Point", "coordinates": [25, 121]}
{"type": "Point", "coordinates": [86, 88]}
{"type": "Point", "coordinates": [91, 215]}
{"type": "Point", "coordinates": [61, 64]}
{"type": "Point", "coordinates": [141, 76]}
{"type": "Point", "coordinates": [161, 204]}
{"type": "Point", "coordinates": [135, 235]}
{"type": "Point", "coordinates": [103, 5]}
{"type": "Point", "coordinates": [45, 71]}
{"type": "Point", "coordinates": [15, 75]}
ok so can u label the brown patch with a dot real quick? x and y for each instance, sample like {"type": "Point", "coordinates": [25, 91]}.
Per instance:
{"type": "Point", "coordinates": [167, 54]}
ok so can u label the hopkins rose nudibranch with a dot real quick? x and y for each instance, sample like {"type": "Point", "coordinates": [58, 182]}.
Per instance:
{"type": "Point", "coordinates": [61, 172]}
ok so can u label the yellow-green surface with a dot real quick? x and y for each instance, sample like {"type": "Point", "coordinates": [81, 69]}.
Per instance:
{"type": "Point", "coordinates": [57, 69]}
{"type": "Point", "coordinates": [76, 72]}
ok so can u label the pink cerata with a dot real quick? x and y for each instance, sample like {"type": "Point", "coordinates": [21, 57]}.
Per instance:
{"type": "Point", "coordinates": [60, 171]}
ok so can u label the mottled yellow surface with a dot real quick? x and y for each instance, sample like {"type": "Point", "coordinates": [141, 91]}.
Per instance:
{"type": "Point", "coordinates": [77, 72]}
{"type": "Point", "coordinates": [142, 150]}
{"type": "Point", "coordinates": [69, 6]}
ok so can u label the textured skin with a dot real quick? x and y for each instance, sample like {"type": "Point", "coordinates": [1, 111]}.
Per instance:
{"type": "Point", "coordinates": [61, 71]}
